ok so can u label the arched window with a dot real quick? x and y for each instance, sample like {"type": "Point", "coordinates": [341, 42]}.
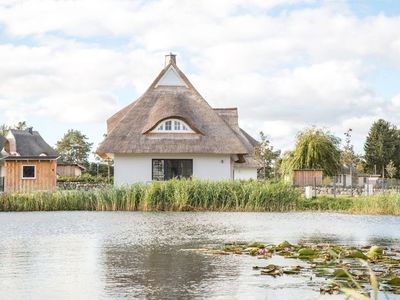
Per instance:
{"type": "Point", "coordinates": [173, 125]}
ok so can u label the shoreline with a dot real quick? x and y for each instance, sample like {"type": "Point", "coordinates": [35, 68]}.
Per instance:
{"type": "Point", "coordinates": [200, 196]}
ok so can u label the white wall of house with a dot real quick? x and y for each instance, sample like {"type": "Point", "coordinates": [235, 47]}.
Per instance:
{"type": "Point", "coordinates": [245, 173]}
{"type": "Point", "coordinates": [2, 171]}
{"type": "Point", "coordinates": [131, 168]}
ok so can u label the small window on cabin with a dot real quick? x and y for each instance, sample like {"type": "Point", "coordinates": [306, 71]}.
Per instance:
{"type": "Point", "coordinates": [28, 172]}
{"type": "Point", "coordinates": [177, 125]}
{"type": "Point", "coordinates": [173, 125]}
{"type": "Point", "coordinates": [168, 125]}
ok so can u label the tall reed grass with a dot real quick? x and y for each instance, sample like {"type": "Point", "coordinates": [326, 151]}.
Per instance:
{"type": "Point", "coordinates": [194, 195]}
{"type": "Point", "coordinates": [173, 195]}
{"type": "Point", "coordinates": [384, 204]}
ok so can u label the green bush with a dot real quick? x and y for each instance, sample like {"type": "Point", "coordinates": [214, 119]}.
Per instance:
{"type": "Point", "coordinates": [85, 178]}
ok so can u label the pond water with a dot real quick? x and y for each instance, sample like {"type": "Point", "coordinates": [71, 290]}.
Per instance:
{"type": "Point", "coordinates": [115, 255]}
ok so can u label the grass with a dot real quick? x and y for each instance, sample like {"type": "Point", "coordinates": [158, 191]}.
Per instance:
{"type": "Point", "coordinates": [194, 195]}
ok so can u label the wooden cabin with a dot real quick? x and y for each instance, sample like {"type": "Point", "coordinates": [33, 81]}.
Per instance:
{"type": "Point", "coordinates": [27, 162]}
{"type": "Point", "coordinates": [69, 169]}
{"type": "Point", "coordinates": [307, 177]}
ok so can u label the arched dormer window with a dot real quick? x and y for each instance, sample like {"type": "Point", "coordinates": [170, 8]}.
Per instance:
{"type": "Point", "coordinates": [173, 125]}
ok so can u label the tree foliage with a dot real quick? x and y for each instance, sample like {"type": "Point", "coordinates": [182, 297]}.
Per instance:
{"type": "Point", "coordinates": [21, 125]}
{"type": "Point", "coordinates": [266, 156]}
{"type": "Point", "coordinates": [4, 128]}
{"type": "Point", "coordinates": [382, 146]}
{"type": "Point", "coordinates": [74, 147]}
{"type": "Point", "coordinates": [315, 149]}
{"type": "Point", "coordinates": [391, 169]}
{"type": "Point", "coordinates": [348, 157]}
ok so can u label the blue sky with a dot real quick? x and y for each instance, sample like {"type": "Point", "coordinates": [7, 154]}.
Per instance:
{"type": "Point", "coordinates": [286, 64]}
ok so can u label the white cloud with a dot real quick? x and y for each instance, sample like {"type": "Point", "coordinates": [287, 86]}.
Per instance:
{"type": "Point", "coordinates": [306, 65]}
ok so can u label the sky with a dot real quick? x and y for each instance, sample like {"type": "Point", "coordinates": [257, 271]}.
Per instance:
{"type": "Point", "coordinates": [286, 64]}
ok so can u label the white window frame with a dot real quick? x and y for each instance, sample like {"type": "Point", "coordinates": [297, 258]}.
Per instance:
{"type": "Point", "coordinates": [183, 127]}
{"type": "Point", "coordinates": [22, 172]}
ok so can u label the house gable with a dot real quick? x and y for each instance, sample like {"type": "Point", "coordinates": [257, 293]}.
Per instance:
{"type": "Point", "coordinates": [171, 78]}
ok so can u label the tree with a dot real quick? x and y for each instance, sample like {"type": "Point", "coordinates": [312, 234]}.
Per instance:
{"type": "Point", "coordinates": [391, 169]}
{"type": "Point", "coordinates": [360, 166]}
{"type": "Point", "coordinates": [266, 156]}
{"type": "Point", "coordinates": [315, 149]}
{"type": "Point", "coordinates": [21, 125]}
{"type": "Point", "coordinates": [4, 129]}
{"type": "Point", "coordinates": [74, 147]}
{"type": "Point", "coordinates": [287, 163]}
{"type": "Point", "coordinates": [347, 156]}
{"type": "Point", "coordinates": [380, 146]}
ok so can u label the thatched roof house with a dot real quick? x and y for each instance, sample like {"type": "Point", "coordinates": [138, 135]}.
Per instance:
{"type": "Point", "coordinates": [171, 131]}
{"type": "Point", "coordinates": [27, 162]}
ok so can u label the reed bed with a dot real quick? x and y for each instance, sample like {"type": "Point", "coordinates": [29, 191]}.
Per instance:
{"type": "Point", "coordinates": [195, 195]}
{"type": "Point", "coordinates": [173, 195]}
{"type": "Point", "coordinates": [380, 204]}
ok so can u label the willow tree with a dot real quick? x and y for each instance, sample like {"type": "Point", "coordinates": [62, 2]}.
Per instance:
{"type": "Point", "coordinates": [315, 149]}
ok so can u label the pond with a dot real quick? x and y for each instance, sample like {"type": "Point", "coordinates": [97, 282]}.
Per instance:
{"type": "Point", "coordinates": [114, 255]}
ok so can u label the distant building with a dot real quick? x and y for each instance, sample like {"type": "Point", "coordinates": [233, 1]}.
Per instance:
{"type": "Point", "coordinates": [69, 169]}
{"type": "Point", "coordinates": [27, 162]}
{"type": "Point", "coordinates": [364, 179]}
{"type": "Point", "coordinates": [172, 132]}
{"type": "Point", "coordinates": [346, 177]}
{"type": "Point", "coordinates": [305, 177]}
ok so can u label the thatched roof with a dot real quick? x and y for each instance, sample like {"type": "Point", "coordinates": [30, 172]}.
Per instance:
{"type": "Point", "coordinates": [230, 116]}
{"type": "Point", "coordinates": [129, 130]}
{"type": "Point", "coordinates": [28, 144]}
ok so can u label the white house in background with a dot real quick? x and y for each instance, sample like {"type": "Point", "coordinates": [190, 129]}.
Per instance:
{"type": "Point", "coordinates": [171, 131]}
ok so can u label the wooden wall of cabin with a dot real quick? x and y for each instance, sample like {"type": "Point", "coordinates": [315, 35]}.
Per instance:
{"type": "Point", "coordinates": [307, 177]}
{"type": "Point", "coordinates": [66, 170]}
{"type": "Point", "coordinates": [46, 179]}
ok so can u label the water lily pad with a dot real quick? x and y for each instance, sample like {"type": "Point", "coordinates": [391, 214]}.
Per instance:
{"type": "Point", "coordinates": [356, 254]}
{"type": "Point", "coordinates": [256, 245]}
{"type": "Point", "coordinates": [272, 270]}
{"type": "Point", "coordinates": [283, 245]}
{"type": "Point", "coordinates": [340, 273]}
{"type": "Point", "coordinates": [395, 281]}
{"type": "Point", "coordinates": [251, 250]}
{"type": "Point", "coordinates": [306, 252]}
{"type": "Point", "coordinates": [375, 252]}
{"type": "Point", "coordinates": [292, 270]}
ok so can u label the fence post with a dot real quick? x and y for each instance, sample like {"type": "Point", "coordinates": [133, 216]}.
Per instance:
{"type": "Point", "coordinates": [334, 186]}
{"type": "Point", "coordinates": [315, 187]}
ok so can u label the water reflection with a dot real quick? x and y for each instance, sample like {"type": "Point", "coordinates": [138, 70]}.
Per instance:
{"type": "Point", "coordinates": [89, 255]}
{"type": "Point", "coordinates": [155, 272]}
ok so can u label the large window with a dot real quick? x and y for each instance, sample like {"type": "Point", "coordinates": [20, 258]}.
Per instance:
{"type": "Point", "coordinates": [165, 169]}
{"type": "Point", "coordinates": [28, 172]}
{"type": "Point", "coordinates": [173, 125]}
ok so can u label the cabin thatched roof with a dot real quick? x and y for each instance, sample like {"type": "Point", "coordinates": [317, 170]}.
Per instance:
{"type": "Point", "coordinates": [128, 131]}
{"type": "Point", "coordinates": [28, 144]}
